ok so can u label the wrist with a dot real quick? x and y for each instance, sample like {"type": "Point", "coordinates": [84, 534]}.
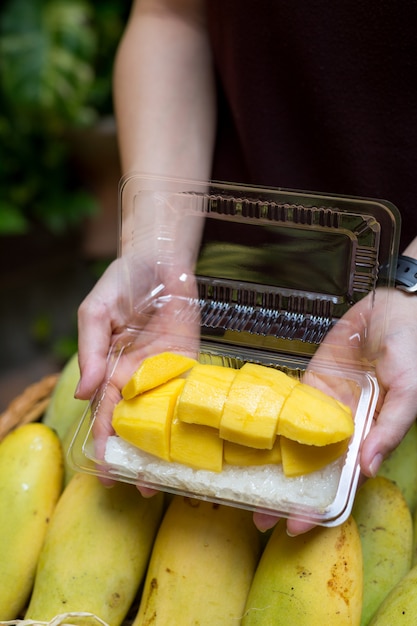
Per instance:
{"type": "Point", "coordinates": [411, 249]}
{"type": "Point", "coordinates": [406, 274]}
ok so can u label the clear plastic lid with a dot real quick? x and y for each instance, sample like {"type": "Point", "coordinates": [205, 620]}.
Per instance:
{"type": "Point", "coordinates": [232, 274]}
{"type": "Point", "coordinates": [275, 268]}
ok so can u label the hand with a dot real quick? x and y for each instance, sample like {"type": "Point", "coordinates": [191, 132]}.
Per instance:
{"type": "Point", "coordinates": [386, 334]}
{"type": "Point", "coordinates": [115, 335]}
{"type": "Point", "coordinates": [395, 370]}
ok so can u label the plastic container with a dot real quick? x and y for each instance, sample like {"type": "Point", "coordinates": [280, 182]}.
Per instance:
{"type": "Point", "coordinates": [275, 272]}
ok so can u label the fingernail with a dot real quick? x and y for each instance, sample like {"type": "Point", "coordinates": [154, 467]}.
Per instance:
{"type": "Point", "coordinates": [77, 389]}
{"type": "Point", "coordinates": [375, 464]}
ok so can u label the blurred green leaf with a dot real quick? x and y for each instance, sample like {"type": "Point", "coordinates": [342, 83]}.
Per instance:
{"type": "Point", "coordinates": [47, 49]}
{"type": "Point", "coordinates": [65, 347]}
{"type": "Point", "coordinates": [56, 63]}
{"type": "Point", "coordinates": [12, 222]}
{"type": "Point", "coordinates": [62, 212]}
{"type": "Point", "coordinates": [42, 328]}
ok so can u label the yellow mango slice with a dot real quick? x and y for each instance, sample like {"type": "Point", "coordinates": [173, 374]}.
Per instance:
{"type": "Point", "coordinates": [252, 407]}
{"type": "Point", "coordinates": [199, 447]}
{"type": "Point", "coordinates": [145, 421]}
{"type": "Point", "coordinates": [156, 370]}
{"type": "Point", "coordinates": [299, 458]}
{"type": "Point", "coordinates": [318, 393]}
{"type": "Point", "coordinates": [281, 382]}
{"type": "Point", "coordinates": [314, 418]}
{"type": "Point", "coordinates": [204, 394]}
{"type": "Point", "coordinates": [236, 454]}
{"type": "Point", "coordinates": [217, 414]}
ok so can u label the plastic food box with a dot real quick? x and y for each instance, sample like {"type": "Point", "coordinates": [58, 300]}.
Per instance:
{"type": "Point", "coordinates": [275, 271]}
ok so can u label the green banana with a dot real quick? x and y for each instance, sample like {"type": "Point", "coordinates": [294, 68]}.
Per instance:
{"type": "Point", "coordinates": [385, 526]}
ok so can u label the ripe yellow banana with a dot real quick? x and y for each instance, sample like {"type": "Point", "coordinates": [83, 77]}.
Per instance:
{"type": "Point", "coordinates": [313, 579]}
{"type": "Point", "coordinates": [31, 470]}
{"type": "Point", "coordinates": [201, 566]}
{"type": "Point", "coordinates": [96, 551]}
{"type": "Point", "coordinates": [385, 526]}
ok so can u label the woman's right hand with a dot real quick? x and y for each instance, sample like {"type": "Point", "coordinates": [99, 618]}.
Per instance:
{"type": "Point", "coordinates": [136, 309]}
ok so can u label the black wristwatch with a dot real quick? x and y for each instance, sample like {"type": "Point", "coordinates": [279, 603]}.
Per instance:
{"type": "Point", "coordinates": [406, 274]}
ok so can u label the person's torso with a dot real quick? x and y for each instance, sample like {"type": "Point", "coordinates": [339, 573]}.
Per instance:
{"type": "Point", "coordinates": [320, 96]}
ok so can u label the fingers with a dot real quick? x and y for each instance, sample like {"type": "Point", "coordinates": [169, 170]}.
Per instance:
{"type": "Point", "coordinates": [103, 407]}
{"type": "Point", "coordinates": [264, 522]}
{"type": "Point", "coordinates": [397, 414]}
{"type": "Point", "coordinates": [97, 318]}
{"type": "Point", "coordinates": [146, 492]}
{"type": "Point", "coordinates": [395, 371]}
{"type": "Point", "coordinates": [298, 527]}
{"type": "Point", "coordinates": [94, 336]}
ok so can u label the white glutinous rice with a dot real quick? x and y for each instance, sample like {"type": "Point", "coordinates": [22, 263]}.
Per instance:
{"type": "Point", "coordinates": [255, 486]}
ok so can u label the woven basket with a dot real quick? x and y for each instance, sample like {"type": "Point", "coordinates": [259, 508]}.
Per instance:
{"type": "Point", "coordinates": [29, 406]}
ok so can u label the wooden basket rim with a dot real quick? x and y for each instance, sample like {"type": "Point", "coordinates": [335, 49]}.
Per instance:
{"type": "Point", "coordinates": [29, 406]}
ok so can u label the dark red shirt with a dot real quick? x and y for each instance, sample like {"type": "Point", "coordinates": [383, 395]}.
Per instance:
{"type": "Point", "coordinates": [319, 96]}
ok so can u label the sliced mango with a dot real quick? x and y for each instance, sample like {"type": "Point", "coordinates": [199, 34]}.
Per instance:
{"type": "Point", "coordinates": [204, 394]}
{"type": "Point", "coordinates": [235, 454]}
{"type": "Point", "coordinates": [282, 383]}
{"type": "Point", "coordinates": [196, 446]}
{"type": "Point", "coordinates": [321, 395]}
{"type": "Point", "coordinates": [156, 370]}
{"type": "Point", "coordinates": [314, 418]}
{"type": "Point", "coordinates": [238, 422]}
{"type": "Point", "coordinates": [299, 458]}
{"type": "Point", "coordinates": [254, 402]}
{"type": "Point", "coordinates": [217, 414]}
{"type": "Point", "coordinates": [145, 421]}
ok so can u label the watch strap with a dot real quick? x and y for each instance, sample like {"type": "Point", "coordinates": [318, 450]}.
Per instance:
{"type": "Point", "coordinates": [406, 274]}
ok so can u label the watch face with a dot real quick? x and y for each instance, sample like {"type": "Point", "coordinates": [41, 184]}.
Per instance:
{"type": "Point", "coordinates": [406, 276]}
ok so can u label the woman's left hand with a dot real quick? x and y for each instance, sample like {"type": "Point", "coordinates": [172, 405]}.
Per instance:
{"type": "Point", "coordinates": [383, 332]}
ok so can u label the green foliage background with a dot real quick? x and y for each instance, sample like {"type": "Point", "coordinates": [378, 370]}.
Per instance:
{"type": "Point", "coordinates": [56, 59]}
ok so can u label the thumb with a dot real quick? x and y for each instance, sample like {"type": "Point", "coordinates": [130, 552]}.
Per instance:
{"type": "Point", "coordinates": [396, 416]}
